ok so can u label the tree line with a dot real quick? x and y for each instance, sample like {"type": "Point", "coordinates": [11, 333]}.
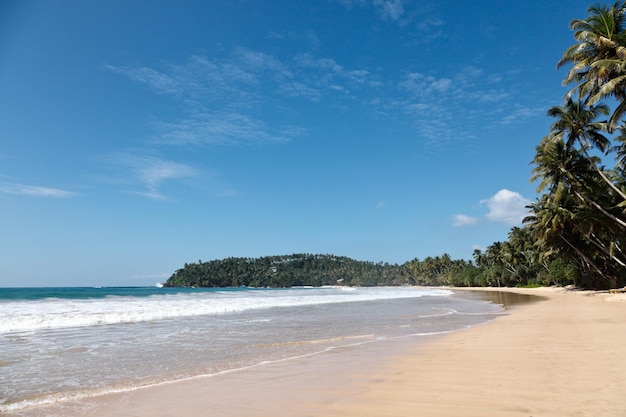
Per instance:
{"type": "Point", "coordinates": [318, 270]}
{"type": "Point", "coordinates": [576, 228]}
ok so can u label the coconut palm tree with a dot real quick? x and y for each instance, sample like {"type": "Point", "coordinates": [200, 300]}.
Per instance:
{"type": "Point", "coordinates": [620, 149]}
{"type": "Point", "coordinates": [523, 252]}
{"type": "Point", "coordinates": [597, 57]}
{"type": "Point", "coordinates": [558, 236]}
{"type": "Point", "coordinates": [576, 125]}
{"type": "Point", "coordinates": [577, 219]}
{"type": "Point", "coordinates": [582, 216]}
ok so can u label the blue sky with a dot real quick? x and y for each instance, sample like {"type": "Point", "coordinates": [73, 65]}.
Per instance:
{"type": "Point", "coordinates": [137, 136]}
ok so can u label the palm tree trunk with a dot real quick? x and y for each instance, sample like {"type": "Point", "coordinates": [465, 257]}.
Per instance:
{"type": "Point", "coordinates": [585, 258]}
{"type": "Point", "coordinates": [597, 243]}
{"type": "Point", "coordinates": [599, 171]}
{"type": "Point", "coordinates": [599, 207]}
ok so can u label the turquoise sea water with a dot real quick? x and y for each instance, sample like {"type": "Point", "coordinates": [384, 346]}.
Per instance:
{"type": "Point", "coordinates": [76, 343]}
{"type": "Point", "coordinates": [72, 293]}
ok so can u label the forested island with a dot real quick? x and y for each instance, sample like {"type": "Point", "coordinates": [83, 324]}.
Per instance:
{"type": "Point", "coordinates": [575, 229]}
{"type": "Point", "coordinates": [317, 270]}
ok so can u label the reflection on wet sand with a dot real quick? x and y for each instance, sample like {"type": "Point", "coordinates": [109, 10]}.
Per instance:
{"type": "Point", "coordinates": [507, 299]}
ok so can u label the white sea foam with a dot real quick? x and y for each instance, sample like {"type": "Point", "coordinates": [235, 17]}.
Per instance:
{"type": "Point", "coordinates": [52, 313]}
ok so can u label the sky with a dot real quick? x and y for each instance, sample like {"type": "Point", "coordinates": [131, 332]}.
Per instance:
{"type": "Point", "coordinates": [137, 136]}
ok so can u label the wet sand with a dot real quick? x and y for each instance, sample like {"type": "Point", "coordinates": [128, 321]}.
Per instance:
{"type": "Point", "coordinates": [559, 357]}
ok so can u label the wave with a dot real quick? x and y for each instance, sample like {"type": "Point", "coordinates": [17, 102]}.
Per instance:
{"type": "Point", "coordinates": [19, 316]}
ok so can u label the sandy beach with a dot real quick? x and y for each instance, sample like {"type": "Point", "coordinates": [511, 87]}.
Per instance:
{"type": "Point", "coordinates": [561, 357]}
{"type": "Point", "coordinates": [558, 357]}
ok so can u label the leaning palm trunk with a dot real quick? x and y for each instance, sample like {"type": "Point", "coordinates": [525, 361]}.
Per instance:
{"type": "Point", "coordinates": [585, 258]}
{"type": "Point", "coordinates": [598, 244]}
{"type": "Point", "coordinates": [600, 172]}
{"type": "Point", "coordinates": [600, 208]}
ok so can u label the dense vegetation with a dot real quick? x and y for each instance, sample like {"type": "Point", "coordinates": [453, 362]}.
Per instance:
{"type": "Point", "coordinates": [576, 227]}
{"type": "Point", "coordinates": [316, 270]}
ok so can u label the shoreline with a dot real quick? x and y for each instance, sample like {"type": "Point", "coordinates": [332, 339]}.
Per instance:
{"type": "Point", "coordinates": [555, 357]}
{"type": "Point", "coordinates": [559, 357]}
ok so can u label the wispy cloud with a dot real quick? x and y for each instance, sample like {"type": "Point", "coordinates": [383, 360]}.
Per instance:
{"type": "Point", "coordinates": [222, 128]}
{"type": "Point", "coordinates": [520, 113]}
{"type": "Point", "coordinates": [149, 172]}
{"type": "Point", "coordinates": [430, 27]}
{"type": "Point", "coordinates": [242, 96]}
{"type": "Point", "coordinates": [226, 99]}
{"type": "Point", "coordinates": [159, 82]}
{"type": "Point", "coordinates": [456, 108]}
{"type": "Point", "coordinates": [35, 191]}
{"type": "Point", "coordinates": [327, 77]}
{"type": "Point", "coordinates": [507, 207]}
{"type": "Point", "coordinates": [425, 86]}
{"type": "Point", "coordinates": [389, 9]}
{"type": "Point", "coordinates": [246, 78]}
{"type": "Point", "coordinates": [326, 66]}
{"type": "Point", "coordinates": [460, 220]}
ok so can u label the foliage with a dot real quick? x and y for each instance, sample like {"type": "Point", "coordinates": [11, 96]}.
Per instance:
{"type": "Point", "coordinates": [318, 270]}
{"type": "Point", "coordinates": [577, 227]}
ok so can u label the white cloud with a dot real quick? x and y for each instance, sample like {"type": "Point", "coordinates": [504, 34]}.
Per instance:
{"type": "Point", "coordinates": [151, 172]}
{"type": "Point", "coordinates": [436, 104]}
{"type": "Point", "coordinates": [425, 85]}
{"type": "Point", "coordinates": [387, 9]}
{"type": "Point", "coordinates": [223, 98]}
{"type": "Point", "coordinates": [231, 99]}
{"type": "Point", "coordinates": [323, 64]}
{"type": "Point", "coordinates": [349, 4]}
{"type": "Point", "coordinates": [390, 9]}
{"type": "Point", "coordinates": [521, 113]}
{"type": "Point", "coordinates": [35, 191]}
{"type": "Point", "coordinates": [380, 204]}
{"type": "Point", "coordinates": [325, 74]}
{"type": "Point", "coordinates": [161, 83]}
{"type": "Point", "coordinates": [429, 25]}
{"type": "Point", "coordinates": [507, 207]}
{"type": "Point", "coordinates": [460, 220]}
{"type": "Point", "coordinates": [222, 128]}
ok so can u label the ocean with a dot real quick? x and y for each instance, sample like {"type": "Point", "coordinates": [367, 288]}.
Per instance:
{"type": "Point", "coordinates": [61, 344]}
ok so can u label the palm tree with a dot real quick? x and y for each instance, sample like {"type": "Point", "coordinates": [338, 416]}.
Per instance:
{"type": "Point", "coordinates": [567, 222]}
{"type": "Point", "coordinates": [576, 125]}
{"type": "Point", "coordinates": [598, 56]}
{"type": "Point", "coordinates": [582, 217]}
{"type": "Point", "coordinates": [479, 258]}
{"type": "Point", "coordinates": [496, 262]}
{"type": "Point", "coordinates": [558, 169]}
{"type": "Point", "coordinates": [523, 252]}
{"type": "Point", "coordinates": [620, 149]}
